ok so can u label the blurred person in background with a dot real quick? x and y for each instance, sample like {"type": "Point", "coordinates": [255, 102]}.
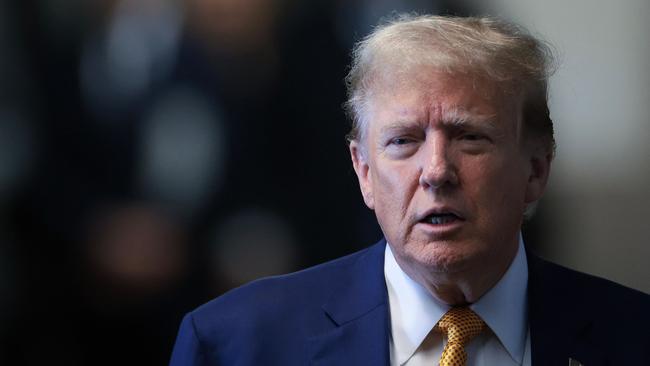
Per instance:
{"type": "Point", "coordinates": [452, 145]}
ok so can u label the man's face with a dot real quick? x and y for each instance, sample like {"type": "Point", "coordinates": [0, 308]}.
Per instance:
{"type": "Point", "coordinates": [443, 167]}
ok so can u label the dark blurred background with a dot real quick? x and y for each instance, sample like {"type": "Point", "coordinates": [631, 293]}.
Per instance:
{"type": "Point", "coordinates": [156, 153]}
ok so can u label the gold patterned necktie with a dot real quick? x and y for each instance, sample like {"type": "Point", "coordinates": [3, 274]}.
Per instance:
{"type": "Point", "coordinates": [460, 325]}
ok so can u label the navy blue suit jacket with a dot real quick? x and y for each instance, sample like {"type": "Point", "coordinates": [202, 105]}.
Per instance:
{"type": "Point", "coordinates": [337, 314]}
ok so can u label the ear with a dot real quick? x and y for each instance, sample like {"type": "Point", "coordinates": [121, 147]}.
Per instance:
{"type": "Point", "coordinates": [362, 168]}
{"type": "Point", "coordinates": [540, 168]}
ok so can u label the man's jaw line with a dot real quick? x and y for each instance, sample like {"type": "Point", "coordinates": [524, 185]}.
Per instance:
{"type": "Point", "coordinates": [456, 281]}
{"type": "Point", "coordinates": [451, 288]}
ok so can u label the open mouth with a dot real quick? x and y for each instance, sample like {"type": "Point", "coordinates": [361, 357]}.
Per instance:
{"type": "Point", "coordinates": [440, 218]}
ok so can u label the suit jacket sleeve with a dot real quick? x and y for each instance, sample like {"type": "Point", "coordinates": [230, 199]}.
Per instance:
{"type": "Point", "coordinates": [187, 350]}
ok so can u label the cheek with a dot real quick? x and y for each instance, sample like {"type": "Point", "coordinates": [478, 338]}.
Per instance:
{"type": "Point", "coordinates": [393, 185]}
{"type": "Point", "coordinates": [495, 186]}
{"type": "Point", "coordinates": [386, 185]}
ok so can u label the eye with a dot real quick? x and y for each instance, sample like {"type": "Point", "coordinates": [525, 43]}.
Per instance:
{"type": "Point", "coordinates": [401, 141]}
{"type": "Point", "coordinates": [472, 137]}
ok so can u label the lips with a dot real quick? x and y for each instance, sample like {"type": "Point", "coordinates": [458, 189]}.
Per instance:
{"type": "Point", "coordinates": [441, 216]}
{"type": "Point", "coordinates": [438, 219]}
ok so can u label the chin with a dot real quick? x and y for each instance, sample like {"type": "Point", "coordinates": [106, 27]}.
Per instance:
{"type": "Point", "coordinates": [442, 257]}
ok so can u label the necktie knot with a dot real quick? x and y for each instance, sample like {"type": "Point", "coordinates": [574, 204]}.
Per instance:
{"type": "Point", "coordinates": [460, 325]}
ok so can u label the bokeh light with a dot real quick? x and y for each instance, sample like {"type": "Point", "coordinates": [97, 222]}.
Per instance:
{"type": "Point", "coordinates": [182, 157]}
{"type": "Point", "coordinates": [17, 149]}
{"type": "Point", "coordinates": [253, 243]}
{"type": "Point", "coordinates": [136, 248]}
{"type": "Point", "coordinates": [120, 64]}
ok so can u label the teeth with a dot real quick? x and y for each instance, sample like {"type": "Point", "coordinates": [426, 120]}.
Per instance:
{"type": "Point", "coordinates": [441, 219]}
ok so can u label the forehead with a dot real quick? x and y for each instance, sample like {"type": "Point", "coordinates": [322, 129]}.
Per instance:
{"type": "Point", "coordinates": [428, 95]}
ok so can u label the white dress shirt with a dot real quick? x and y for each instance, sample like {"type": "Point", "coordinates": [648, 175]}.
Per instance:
{"type": "Point", "coordinates": [414, 313]}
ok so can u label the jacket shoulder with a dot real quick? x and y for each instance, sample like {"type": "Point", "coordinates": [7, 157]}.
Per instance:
{"type": "Point", "coordinates": [273, 313]}
{"type": "Point", "coordinates": [592, 291]}
{"type": "Point", "coordinates": [289, 290]}
{"type": "Point", "coordinates": [591, 319]}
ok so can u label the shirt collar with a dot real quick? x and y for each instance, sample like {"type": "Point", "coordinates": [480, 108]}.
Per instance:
{"type": "Point", "coordinates": [504, 308]}
{"type": "Point", "coordinates": [414, 312]}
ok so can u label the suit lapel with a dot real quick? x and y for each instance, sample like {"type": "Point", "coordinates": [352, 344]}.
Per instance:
{"type": "Point", "coordinates": [359, 313]}
{"type": "Point", "coordinates": [561, 326]}
{"type": "Point", "coordinates": [561, 329]}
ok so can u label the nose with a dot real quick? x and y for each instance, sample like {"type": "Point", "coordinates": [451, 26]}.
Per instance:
{"type": "Point", "coordinates": [438, 169]}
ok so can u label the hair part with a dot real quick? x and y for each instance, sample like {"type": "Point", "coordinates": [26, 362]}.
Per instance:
{"type": "Point", "coordinates": [488, 48]}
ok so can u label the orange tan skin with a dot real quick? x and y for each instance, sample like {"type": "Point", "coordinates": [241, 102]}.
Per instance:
{"type": "Point", "coordinates": [449, 145]}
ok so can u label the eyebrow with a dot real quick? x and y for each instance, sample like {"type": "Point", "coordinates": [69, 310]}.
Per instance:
{"type": "Point", "coordinates": [456, 117]}
{"type": "Point", "coordinates": [460, 117]}
{"type": "Point", "coordinates": [400, 125]}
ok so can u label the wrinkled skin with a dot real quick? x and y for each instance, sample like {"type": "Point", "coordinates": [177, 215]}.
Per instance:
{"type": "Point", "coordinates": [449, 144]}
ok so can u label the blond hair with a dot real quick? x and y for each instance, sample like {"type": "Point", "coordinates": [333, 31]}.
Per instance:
{"type": "Point", "coordinates": [496, 50]}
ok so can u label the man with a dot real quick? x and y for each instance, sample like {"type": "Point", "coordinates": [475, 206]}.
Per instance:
{"type": "Point", "coordinates": [452, 145]}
